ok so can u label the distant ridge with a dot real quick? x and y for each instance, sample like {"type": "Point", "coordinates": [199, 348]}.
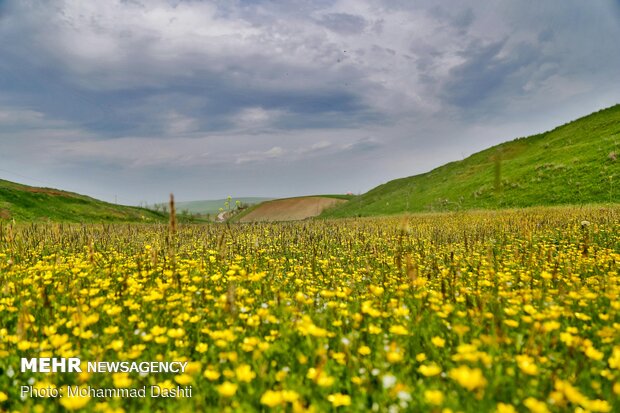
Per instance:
{"type": "Point", "coordinates": [213, 206]}
{"type": "Point", "coordinates": [576, 163]}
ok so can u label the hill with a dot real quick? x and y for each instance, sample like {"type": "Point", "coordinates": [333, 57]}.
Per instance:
{"type": "Point", "coordinates": [575, 163]}
{"type": "Point", "coordinates": [213, 206]}
{"type": "Point", "coordinates": [290, 209]}
{"type": "Point", "coordinates": [27, 203]}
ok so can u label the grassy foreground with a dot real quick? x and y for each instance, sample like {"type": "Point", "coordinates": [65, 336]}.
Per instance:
{"type": "Point", "coordinates": [481, 311]}
{"type": "Point", "coordinates": [575, 163]}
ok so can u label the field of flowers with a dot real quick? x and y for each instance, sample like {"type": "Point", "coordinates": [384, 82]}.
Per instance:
{"type": "Point", "coordinates": [465, 312]}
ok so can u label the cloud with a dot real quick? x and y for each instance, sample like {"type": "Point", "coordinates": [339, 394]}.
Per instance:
{"type": "Point", "coordinates": [256, 119]}
{"type": "Point", "coordinates": [12, 117]}
{"type": "Point", "coordinates": [343, 23]}
{"type": "Point", "coordinates": [315, 148]}
{"type": "Point", "coordinates": [125, 56]}
{"type": "Point", "coordinates": [362, 145]}
{"type": "Point", "coordinates": [346, 91]}
{"type": "Point", "coordinates": [260, 156]}
{"type": "Point", "coordinates": [177, 124]}
{"type": "Point", "coordinates": [487, 67]}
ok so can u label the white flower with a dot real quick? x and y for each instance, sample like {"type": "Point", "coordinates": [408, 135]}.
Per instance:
{"type": "Point", "coordinates": [388, 381]}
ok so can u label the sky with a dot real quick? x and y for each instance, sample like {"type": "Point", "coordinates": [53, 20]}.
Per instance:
{"type": "Point", "coordinates": [127, 101]}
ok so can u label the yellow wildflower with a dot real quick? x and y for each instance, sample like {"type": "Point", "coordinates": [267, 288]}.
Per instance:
{"type": "Point", "coordinates": [468, 378]}
{"type": "Point", "coordinates": [364, 350]}
{"type": "Point", "coordinates": [183, 379]}
{"type": "Point", "coordinates": [535, 406]}
{"type": "Point", "coordinates": [202, 347]}
{"type": "Point", "coordinates": [272, 398]}
{"type": "Point", "coordinates": [526, 364]}
{"type": "Point", "coordinates": [74, 402]}
{"type": "Point", "coordinates": [505, 408]}
{"type": "Point", "coordinates": [438, 341]}
{"type": "Point", "coordinates": [394, 356]}
{"type": "Point", "coordinates": [211, 374]}
{"type": "Point", "coordinates": [398, 330]}
{"type": "Point", "coordinates": [227, 389]}
{"type": "Point", "coordinates": [434, 397]}
{"type": "Point", "coordinates": [339, 399]}
{"type": "Point", "coordinates": [429, 370]}
{"type": "Point", "coordinates": [593, 353]}
{"type": "Point", "coordinates": [121, 380]}
{"type": "Point", "coordinates": [244, 373]}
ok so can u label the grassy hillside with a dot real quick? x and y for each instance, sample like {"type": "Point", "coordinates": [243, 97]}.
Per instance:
{"type": "Point", "coordinates": [576, 163]}
{"type": "Point", "coordinates": [26, 203]}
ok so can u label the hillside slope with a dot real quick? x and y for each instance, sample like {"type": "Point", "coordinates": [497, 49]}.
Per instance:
{"type": "Point", "coordinates": [290, 209]}
{"type": "Point", "coordinates": [26, 203]}
{"type": "Point", "coordinates": [576, 163]}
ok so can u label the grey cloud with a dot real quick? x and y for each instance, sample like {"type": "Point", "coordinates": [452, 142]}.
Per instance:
{"type": "Point", "coordinates": [343, 23]}
{"type": "Point", "coordinates": [545, 35]}
{"type": "Point", "coordinates": [315, 148]}
{"type": "Point", "coordinates": [124, 87]}
{"type": "Point", "coordinates": [464, 19]}
{"type": "Point", "coordinates": [275, 152]}
{"type": "Point", "coordinates": [363, 145]}
{"type": "Point", "coordinates": [458, 20]}
{"type": "Point", "coordinates": [486, 69]}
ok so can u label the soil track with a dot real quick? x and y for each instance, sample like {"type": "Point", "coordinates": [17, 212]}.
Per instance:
{"type": "Point", "coordinates": [291, 209]}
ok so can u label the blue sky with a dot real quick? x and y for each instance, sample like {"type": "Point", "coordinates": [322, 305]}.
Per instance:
{"type": "Point", "coordinates": [131, 100]}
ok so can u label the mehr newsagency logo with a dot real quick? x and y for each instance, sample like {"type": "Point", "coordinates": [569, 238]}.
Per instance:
{"type": "Point", "coordinates": [75, 365]}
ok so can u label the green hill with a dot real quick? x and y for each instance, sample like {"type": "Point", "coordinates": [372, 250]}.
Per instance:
{"type": "Point", "coordinates": [576, 163]}
{"type": "Point", "coordinates": [26, 203]}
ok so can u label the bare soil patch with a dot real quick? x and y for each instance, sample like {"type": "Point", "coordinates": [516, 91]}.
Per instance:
{"type": "Point", "coordinates": [291, 209]}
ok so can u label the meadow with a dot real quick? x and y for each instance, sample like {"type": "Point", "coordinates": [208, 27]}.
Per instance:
{"type": "Point", "coordinates": [505, 311]}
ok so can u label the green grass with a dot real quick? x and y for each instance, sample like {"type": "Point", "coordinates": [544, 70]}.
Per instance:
{"type": "Point", "coordinates": [25, 203]}
{"type": "Point", "coordinates": [346, 197]}
{"type": "Point", "coordinates": [577, 163]}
